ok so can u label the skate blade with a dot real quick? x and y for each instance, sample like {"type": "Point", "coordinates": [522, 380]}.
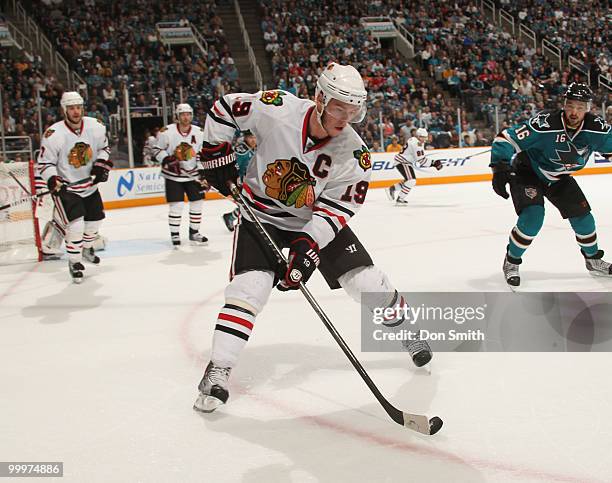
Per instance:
{"type": "Point", "coordinates": [78, 281]}
{"type": "Point", "coordinates": [198, 244]}
{"type": "Point", "coordinates": [207, 404]}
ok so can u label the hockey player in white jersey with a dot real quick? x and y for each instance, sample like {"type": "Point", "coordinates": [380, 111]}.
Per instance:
{"type": "Point", "coordinates": [177, 149]}
{"type": "Point", "coordinates": [54, 230]}
{"type": "Point", "coordinates": [73, 159]}
{"type": "Point", "coordinates": [412, 155]}
{"type": "Point", "coordinates": [309, 176]}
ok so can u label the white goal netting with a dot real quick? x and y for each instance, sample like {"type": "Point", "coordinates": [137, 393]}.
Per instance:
{"type": "Point", "coordinates": [19, 235]}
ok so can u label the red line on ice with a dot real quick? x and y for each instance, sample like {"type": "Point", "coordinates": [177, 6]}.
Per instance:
{"type": "Point", "coordinates": [398, 445]}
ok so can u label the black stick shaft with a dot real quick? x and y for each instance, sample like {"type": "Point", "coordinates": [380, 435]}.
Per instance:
{"type": "Point", "coordinates": [395, 413]}
{"type": "Point", "coordinates": [38, 195]}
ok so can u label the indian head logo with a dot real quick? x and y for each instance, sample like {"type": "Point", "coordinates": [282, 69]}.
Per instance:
{"type": "Point", "coordinates": [184, 152]}
{"type": "Point", "coordinates": [273, 98]}
{"type": "Point", "coordinates": [80, 154]}
{"type": "Point", "coordinates": [364, 157]}
{"type": "Point", "coordinates": [290, 182]}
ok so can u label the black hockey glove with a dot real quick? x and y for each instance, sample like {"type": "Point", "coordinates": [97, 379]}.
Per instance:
{"type": "Point", "coordinates": [302, 262]}
{"type": "Point", "coordinates": [502, 175]}
{"type": "Point", "coordinates": [172, 165]}
{"type": "Point", "coordinates": [55, 185]}
{"type": "Point", "coordinates": [437, 164]}
{"type": "Point", "coordinates": [100, 170]}
{"type": "Point", "coordinates": [219, 163]}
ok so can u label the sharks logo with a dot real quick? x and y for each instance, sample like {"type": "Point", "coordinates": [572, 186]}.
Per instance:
{"type": "Point", "coordinates": [541, 120]}
{"type": "Point", "coordinates": [570, 159]}
{"type": "Point", "coordinates": [604, 125]}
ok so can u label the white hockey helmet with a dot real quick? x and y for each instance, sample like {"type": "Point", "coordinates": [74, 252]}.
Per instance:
{"type": "Point", "coordinates": [183, 108]}
{"type": "Point", "coordinates": [343, 83]}
{"type": "Point", "coordinates": [71, 98]}
{"type": "Point", "coordinates": [421, 132]}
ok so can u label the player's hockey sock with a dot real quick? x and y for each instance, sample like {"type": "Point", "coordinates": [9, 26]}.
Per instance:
{"type": "Point", "coordinates": [195, 214]}
{"type": "Point", "coordinates": [234, 326]}
{"type": "Point", "coordinates": [174, 218]}
{"type": "Point", "coordinates": [527, 227]}
{"type": "Point", "coordinates": [74, 240]}
{"type": "Point", "coordinates": [586, 234]}
{"type": "Point", "coordinates": [90, 233]}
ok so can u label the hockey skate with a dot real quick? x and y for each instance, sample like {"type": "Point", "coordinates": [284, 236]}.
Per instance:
{"type": "Point", "coordinates": [76, 271]}
{"type": "Point", "coordinates": [196, 238]}
{"type": "Point", "coordinates": [390, 191]}
{"type": "Point", "coordinates": [213, 389]}
{"type": "Point", "coordinates": [401, 202]}
{"type": "Point", "coordinates": [90, 256]}
{"type": "Point", "coordinates": [511, 271]}
{"type": "Point", "coordinates": [230, 220]}
{"type": "Point", "coordinates": [419, 351]}
{"type": "Point", "coordinates": [596, 266]}
{"type": "Point", "coordinates": [176, 240]}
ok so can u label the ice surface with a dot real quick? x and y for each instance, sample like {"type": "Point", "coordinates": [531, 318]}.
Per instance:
{"type": "Point", "coordinates": [102, 376]}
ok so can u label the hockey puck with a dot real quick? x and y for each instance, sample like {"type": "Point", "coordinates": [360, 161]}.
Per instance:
{"type": "Point", "coordinates": [435, 424]}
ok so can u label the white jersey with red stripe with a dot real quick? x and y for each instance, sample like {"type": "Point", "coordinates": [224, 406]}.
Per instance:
{"type": "Point", "coordinates": [293, 182]}
{"type": "Point", "coordinates": [71, 154]}
{"type": "Point", "coordinates": [413, 154]}
{"type": "Point", "coordinates": [183, 146]}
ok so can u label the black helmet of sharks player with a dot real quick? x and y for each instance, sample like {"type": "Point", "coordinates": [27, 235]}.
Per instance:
{"type": "Point", "coordinates": [343, 83]}
{"type": "Point", "coordinates": [577, 103]}
{"type": "Point", "coordinates": [579, 92]}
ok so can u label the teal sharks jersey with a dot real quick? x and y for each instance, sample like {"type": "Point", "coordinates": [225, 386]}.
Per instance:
{"type": "Point", "coordinates": [244, 153]}
{"type": "Point", "coordinates": [553, 149]}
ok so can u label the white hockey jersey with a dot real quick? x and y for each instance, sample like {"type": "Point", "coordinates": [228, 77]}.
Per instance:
{"type": "Point", "coordinates": [413, 154]}
{"type": "Point", "coordinates": [291, 182]}
{"type": "Point", "coordinates": [148, 152]}
{"type": "Point", "coordinates": [185, 147]}
{"type": "Point", "coordinates": [71, 154]}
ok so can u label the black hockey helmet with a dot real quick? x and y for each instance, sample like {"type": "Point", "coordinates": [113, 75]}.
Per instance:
{"type": "Point", "coordinates": [579, 92]}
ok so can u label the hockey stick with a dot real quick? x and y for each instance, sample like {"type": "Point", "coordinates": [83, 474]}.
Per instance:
{"type": "Point", "coordinates": [10, 173]}
{"type": "Point", "coordinates": [39, 195]}
{"type": "Point", "coordinates": [467, 157]}
{"type": "Point", "coordinates": [414, 422]}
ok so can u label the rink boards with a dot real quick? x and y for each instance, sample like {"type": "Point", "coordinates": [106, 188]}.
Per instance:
{"type": "Point", "coordinates": [145, 186]}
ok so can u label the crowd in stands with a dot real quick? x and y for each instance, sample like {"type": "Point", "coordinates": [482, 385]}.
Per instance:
{"type": "Point", "coordinates": [21, 79]}
{"type": "Point", "coordinates": [113, 43]}
{"type": "Point", "coordinates": [462, 61]}
{"type": "Point", "coordinates": [491, 74]}
{"type": "Point", "coordinates": [303, 37]}
{"type": "Point", "coordinates": [580, 29]}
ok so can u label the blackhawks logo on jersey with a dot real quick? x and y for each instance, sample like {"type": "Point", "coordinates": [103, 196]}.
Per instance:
{"type": "Point", "coordinates": [272, 98]}
{"type": "Point", "coordinates": [48, 133]}
{"type": "Point", "coordinates": [290, 182]}
{"type": "Point", "coordinates": [184, 152]}
{"type": "Point", "coordinates": [364, 157]}
{"type": "Point", "coordinates": [80, 154]}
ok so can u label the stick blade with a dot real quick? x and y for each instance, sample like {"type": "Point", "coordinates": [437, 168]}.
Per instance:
{"type": "Point", "coordinates": [422, 424]}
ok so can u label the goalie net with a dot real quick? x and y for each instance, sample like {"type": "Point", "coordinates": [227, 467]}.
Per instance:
{"type": "Point", "coordinates": [19, 233]}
